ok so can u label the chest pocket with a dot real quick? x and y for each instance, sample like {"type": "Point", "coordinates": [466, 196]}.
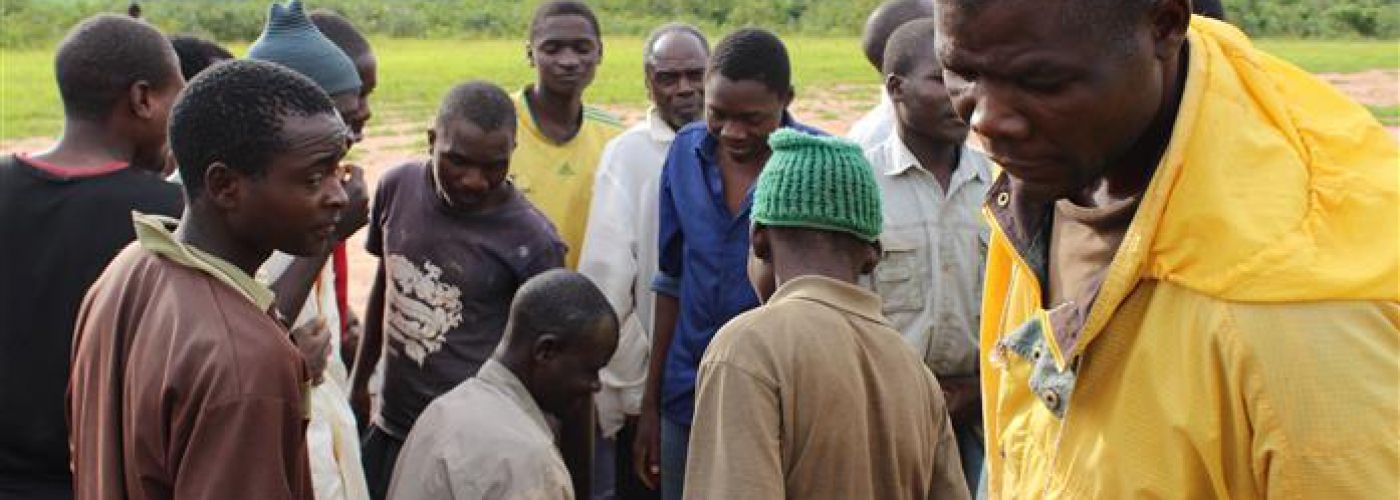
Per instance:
{"type": "Point", "coordinates": [899, 278]}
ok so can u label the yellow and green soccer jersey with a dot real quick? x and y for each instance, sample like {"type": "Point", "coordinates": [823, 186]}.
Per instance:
{"type": "Point", "coordinates": [558, 178]}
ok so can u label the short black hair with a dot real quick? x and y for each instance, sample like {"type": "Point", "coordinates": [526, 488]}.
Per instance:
{"type": "Point", "coordinates": [886, 18]}
{"type": "Point", "coordinates": [341, 32]}
{"type": "Point", "coordinates": [196, 54]}
{"type": "Point", "coordinates": [102, 57]}
{"type": "Point", "coordinates": [910, 44]}
{"type": "Point", "coordinates": [753, 54]}
{"type": "Point", "coordinates": [669, 28]}
{"type": "Point", "coordinates": [556, 8]}
{"type": "Point", "coordinates": [1209, 8]}
{"type": "Point", "coordinates": [560, 302]}
{"type": "Point", "coordinates": [233, 113]}
{"type": "Point", "coordinates": [480, 102]}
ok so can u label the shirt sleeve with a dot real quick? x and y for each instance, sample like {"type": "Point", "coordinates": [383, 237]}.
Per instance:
{"type": "Point", "coordinates": [609, 255]}
{"type": "Point", "coordinates": [243, 449]}
{"type": "Point", "coordinates": [670, 239]}
{"type": "Point", "coordinates": [374, 237]}
{"type": "Point", "coordinates": [948, 480]}
{"type": "Point", "coordinates": [735, 442]}
{"type": "Point", "coordinates": [1322, 397]}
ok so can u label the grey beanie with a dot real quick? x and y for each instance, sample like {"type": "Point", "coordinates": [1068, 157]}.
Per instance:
{"type": "Point", "coordinates": [291, 40]}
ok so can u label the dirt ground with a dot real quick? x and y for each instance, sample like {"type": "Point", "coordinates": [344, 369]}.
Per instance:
{"type": "Point", "coordinates": [394, 142]}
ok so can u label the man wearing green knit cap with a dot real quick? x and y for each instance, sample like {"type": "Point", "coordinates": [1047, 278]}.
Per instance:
{"type": "Point", "coordinates": [814, 394]}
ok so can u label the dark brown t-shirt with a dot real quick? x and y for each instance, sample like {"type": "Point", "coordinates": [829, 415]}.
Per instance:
{"type": "Point", "coordinates": [183, 388]}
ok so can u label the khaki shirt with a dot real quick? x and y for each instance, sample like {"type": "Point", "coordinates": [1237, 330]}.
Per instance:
{"type": "Point", "coordinates": [815, 396]}
{"type": "Point", "coordinates": [935, 243]}
{"type": "Point", "coordinates": [484, 439]}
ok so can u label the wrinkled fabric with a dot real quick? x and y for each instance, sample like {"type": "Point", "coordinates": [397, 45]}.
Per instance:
{"type": "Point", "coordinates": [1245, 341]}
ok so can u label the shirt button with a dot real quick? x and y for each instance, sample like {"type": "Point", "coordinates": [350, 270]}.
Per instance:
{"type": "Point", "coordinates": [1003, 199]}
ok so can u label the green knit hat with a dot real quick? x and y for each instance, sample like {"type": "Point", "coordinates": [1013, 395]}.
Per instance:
{"type": "Point", "coordinates": [818, 183]}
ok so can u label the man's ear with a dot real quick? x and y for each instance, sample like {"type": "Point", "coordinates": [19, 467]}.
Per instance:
{"type": "Point", "coordinates": [871, 257]}
{"type": "Point", "coordinates": [762, 246]}
{"type": "Point", "coordinates": [787, 99]}
{"type": "Point", "coordinates": [529, 53]}
{"type": "Point", "coordinates": [432, 140]}
{"type": "Point", "coordinates": [894, 87]}
{"type": "Point", "coordinates": [223, 186]}
{"type": "Point", "coordinates": [139, 95]}
{"type": "Point", "coordinates": [1169, 19]}
{"type": "Point", "coordinates": [546, 348]}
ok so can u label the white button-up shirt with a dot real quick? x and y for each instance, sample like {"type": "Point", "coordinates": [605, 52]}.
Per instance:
{"type": "Point", "coordinates": [619, 255]}
{"type": "Point", "coordinates": [935, 245]}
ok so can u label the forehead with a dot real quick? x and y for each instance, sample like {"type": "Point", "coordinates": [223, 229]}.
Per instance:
{"type": "Point", "coordinates": [564, 28]}
{"type": "Point", "coordinates": [723, 93]}
{"type": "Point", "coordinates": [678, 48]}
{"type": "Point", "coordinates": [310, 137]}
{"type": "Point", "coordinates": [464, 137]}
{"type": "Point", "coordinates": [998, 32]}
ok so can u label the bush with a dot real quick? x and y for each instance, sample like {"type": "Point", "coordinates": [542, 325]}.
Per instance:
{"type": "Point", "coordinates": [29, 23]}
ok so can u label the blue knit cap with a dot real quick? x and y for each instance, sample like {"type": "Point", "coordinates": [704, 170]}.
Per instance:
{"type": "Point", "coordinates": [291, 40]}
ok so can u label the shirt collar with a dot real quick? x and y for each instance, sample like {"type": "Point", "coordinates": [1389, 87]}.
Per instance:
{"type": "Point", "coordinates": [971, 164]}
{"type": "Point", "coordinates": [495, 374]}
{"type": "Point", "coordinates": [153, 233]}
{"type": "Point", "coordinates": [657, 128]}
{"type": "Point", "coordinates": [835, 293]}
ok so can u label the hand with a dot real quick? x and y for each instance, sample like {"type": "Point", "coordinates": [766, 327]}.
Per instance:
{"type": "Point", "coordinates": [646, 448]}
{"type": "Point", "coordinates": [963, 398]}
{"type": "Point", "coordinates": [314, 341]}
{"type": "Point", "coordinates": [350, 342]}
{"type": "Point", "coordinates": [360, 404]}
{"type": "Point", "coordinates": [356, 212]}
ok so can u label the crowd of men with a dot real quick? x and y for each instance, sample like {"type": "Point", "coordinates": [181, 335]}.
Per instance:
{"type": "Point", "coordinates": [1081, 249]}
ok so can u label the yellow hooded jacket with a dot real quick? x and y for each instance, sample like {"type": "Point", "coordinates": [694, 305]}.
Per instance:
{"type": "Point", "coordinates": [1245, 342]}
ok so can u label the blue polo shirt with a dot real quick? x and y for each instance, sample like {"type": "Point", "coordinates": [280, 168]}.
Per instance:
{"type": "Point", "coordinates": [703, 258]}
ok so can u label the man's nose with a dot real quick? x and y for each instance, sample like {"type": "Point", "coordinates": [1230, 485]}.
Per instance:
{"type": "Point", "coordinates": [994, 115]}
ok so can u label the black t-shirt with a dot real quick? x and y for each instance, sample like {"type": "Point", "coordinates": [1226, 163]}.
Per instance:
{"type": "Point", "coordinates": [449, 280]}
{"type": "Point", "coordinates": [57, 234]}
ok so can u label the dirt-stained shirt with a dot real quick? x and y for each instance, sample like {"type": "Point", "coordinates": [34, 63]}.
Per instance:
{"type": "Point", "coordinates": [815, 396]}
{"type": "Point", "coordinates": [184, 385]}
{"type": "Point", "coordinates": [449, 278]}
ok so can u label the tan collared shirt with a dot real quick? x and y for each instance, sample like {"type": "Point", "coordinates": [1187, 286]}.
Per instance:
{"type": "Point", "coordinates": [935, 244]}
{"type": "Point", "coordinates": [484, 439]}
{"type": "Point", "coordinates": [815, 396]}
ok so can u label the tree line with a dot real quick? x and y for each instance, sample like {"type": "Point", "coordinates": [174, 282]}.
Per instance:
{"type": "Point", "coordinates": [37, 23]}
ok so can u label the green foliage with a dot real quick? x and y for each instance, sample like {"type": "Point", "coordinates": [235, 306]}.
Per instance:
{"type": "Point", "coordinates": [1317, 18]}
{"type": "Point", "coordinates": [38, 23]}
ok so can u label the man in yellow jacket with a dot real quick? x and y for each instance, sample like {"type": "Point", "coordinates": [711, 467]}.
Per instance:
{"type": "Point", "coordinates": [1191, 286]}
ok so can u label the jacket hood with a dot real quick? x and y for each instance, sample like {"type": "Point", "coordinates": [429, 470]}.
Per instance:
{"type": "Point", "coordinates": [1275, 187]}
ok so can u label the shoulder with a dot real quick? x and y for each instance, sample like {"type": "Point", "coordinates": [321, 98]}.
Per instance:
{"type": "Point", "coordinates": [524, 214]}
{"type": "Point", "coordinates": [394, 176]}
{"type": "Point", "coordinates": [802, 127]}
{"type": "Point", "coordinates": [602, 118]}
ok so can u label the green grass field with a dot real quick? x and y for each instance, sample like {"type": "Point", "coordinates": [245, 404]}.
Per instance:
{"type": "Point", "coordinates": [415, 73]}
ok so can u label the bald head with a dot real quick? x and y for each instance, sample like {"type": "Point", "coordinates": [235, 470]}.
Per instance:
{"type": "Point", "coordinates": [882, 22]}
{"type": "Point", "coordinates": [560, 303]}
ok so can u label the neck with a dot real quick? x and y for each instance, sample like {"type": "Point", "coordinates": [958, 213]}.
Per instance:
{"type": "Point", "coordinates": [86, 144]}
{"type": "Point", "coordinates": [792, 264]}
{"type": "Point", "coordinates": [563, 110]}
{"type": "Point", "coordinates": [939, 158]}
{"type": "Point", "coordinates": [1133, 171]}
{"type": "Point", "coordinates": [211, 234]}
